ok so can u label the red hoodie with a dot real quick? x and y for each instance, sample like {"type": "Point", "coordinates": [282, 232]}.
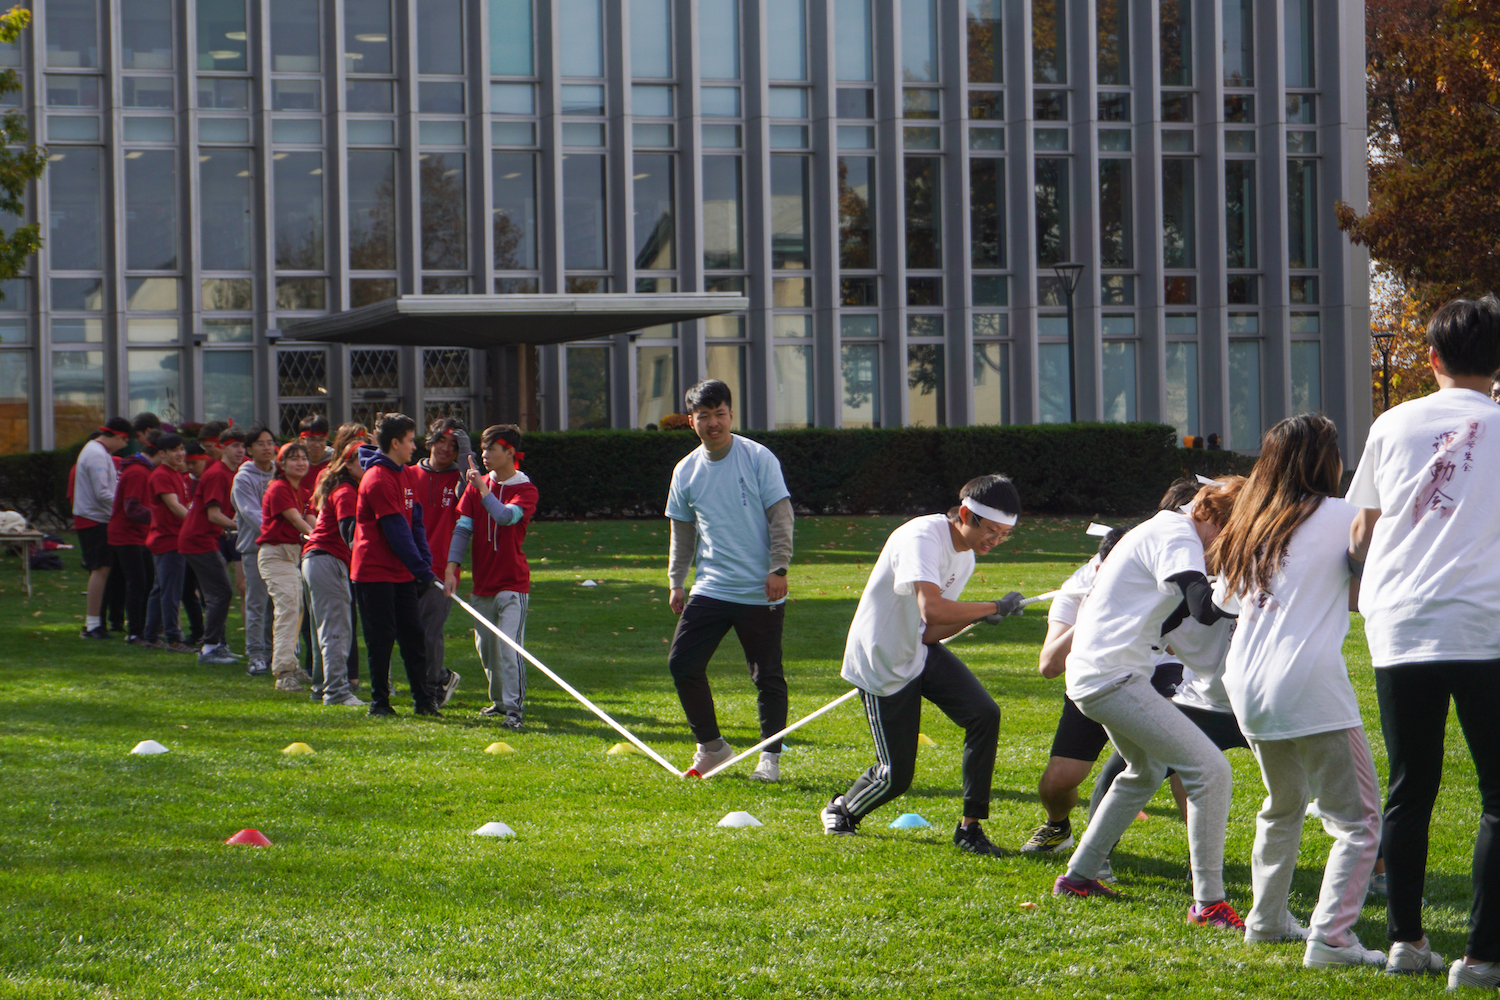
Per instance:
{"type": "Point", "coordinates": [130, 518]}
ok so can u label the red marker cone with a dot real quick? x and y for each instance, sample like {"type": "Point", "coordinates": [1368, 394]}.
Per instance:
{"type": "Point", "coordinates": [249, 838]}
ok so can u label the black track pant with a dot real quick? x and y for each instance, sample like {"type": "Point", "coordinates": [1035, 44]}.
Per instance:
{"type": "Point", "coordinates": [895, 721]}
{"type": "Point", "coordinates": [134, 562]}
{"type": "Point", "coordinates": [218, 592]}
{"type": "Point", "coordinates": [704, 623]}
{"type": "Point", "coordinates": [192, 604]}
{"type": "Point", "coordinates": [389, 612]}
{"type": "Point", "coordinates": [1414, 717]}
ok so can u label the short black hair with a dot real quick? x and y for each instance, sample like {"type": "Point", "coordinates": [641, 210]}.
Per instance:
{"type": "Point", "coordinates": [1180, 492]}
{"type": "Point", "coordinates": [313, 423]}
{"type": "Point", "coordinates": [709, 394]}
{"type": "Point", "coordinates": [1466, 336]}
{"type": "Point", "coordinates": [392, 428]}
{"type": "Point", "coordinates": [212, 429]}
{"type": "Point", "coordinates": [509, 433]}
{"type": "Point", "coordinates": [196, 450]}
{"type": "Point", "coordinates": [1109, 541]}
{"type": "Point", "coordinates": [147, 421]}
{"type": "Point", "coordinates": [119, 426]}
{"type": "Point", "coordinates": [167, 442]}
{"type": "Point", "coordinates": [441, 426]}
{"type": "Point", "coordinates": [239, 434]}
{"type": "Point", "coordinates": [995, 491]}
{"type": "Point", "coordinates": [253, 433]}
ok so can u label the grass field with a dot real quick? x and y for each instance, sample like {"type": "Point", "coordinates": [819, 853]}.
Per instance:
{"type": "Point", "coordinates": [115, 881]}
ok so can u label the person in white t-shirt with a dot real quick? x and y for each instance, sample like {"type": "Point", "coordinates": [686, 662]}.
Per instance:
{"type": "Point", "coordinates": [1282, 567]}
{"type": "Point", "coordinates": [894, 655]}
{"type": "Point", "coordinates": [1428, 529]}
{"type": "Point", "coordinates": [1156, 567]}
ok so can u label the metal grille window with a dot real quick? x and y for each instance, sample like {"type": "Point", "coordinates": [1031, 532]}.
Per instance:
{"type": "Point", "coordinates": [447, 382]}
{"type": "Point", "coordinates": [374, 383]}
{"type": "Point", "coordinates": [301, 386]}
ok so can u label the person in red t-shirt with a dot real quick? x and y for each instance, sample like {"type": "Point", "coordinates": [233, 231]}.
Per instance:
{"type": "Point", "coordinates": [391, 564]}
{"type": "Point", "coordinates": [325, 571]}
{"type": "Point", "coordinates": [209, 514]}
{"type": "Point", "coordinates": [167, 489]}
{"type": "Point", "coordinates": [129, 524]}
{"type": "Point", "coordinates": [440, 482]}
{"type": "Point", "coordinates": [312, 431]}
{"type": "Point", "coordinates": [496, 512]}
{"type": "Point", "coordinates": [283, 525]}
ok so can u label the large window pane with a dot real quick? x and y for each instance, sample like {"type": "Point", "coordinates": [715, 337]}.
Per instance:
{"type": "Point", "coordinates": [794, 385]}
{"type": "Point", "coordinates": [1116, 234]}
{"type": "Point", "coordinates": [1054, 388]}
{"type": "Point", "coordinates": [1176, 43]}
{"type": "Point", "coordinates": [515, 211]}
{"type": "Point", "coordinates": [1244, 395]}
{"type": "Point", "coordinates": [75, 213]}
{"type": "Point", "coordinates": [655, 220]}
{"type": "Point", "coordinates": [786, 22]}
{"type": "Point", "coordinates": [723, 240]}
{"type": "Point", "coordinates": [1052, 215]}
{"type": "Point", "coordinates": [919, 40]}
{"type": "Point", "coordinates": [77, 395]}
{"type": "Point", "coordinates": [655, 384]}
{"type": "Point", "coordinates": [15, 408]}
{"type": "Point", "coordinates": [991, 383]}
{"type": "Point", "coordinates": [985, 62]}
{"type": "Point", "coordinates": [861, 370]}
{"type": "Point", "coordinates": [1302, 212]}
{"type": "Point", "coordinates": [156, 383]}
{"type": "Point", "coordinates": [987, 212]}
{"type": "Point", "coordinates": [1182, 388]}
{"type": "Point", "coordinates": [299, 212]}
{"type": "Point", "coordinates": [854, 40]}
{"type": "Point", "coordinates": [1239, 217]}
{"type": "Point", "coordinates": [372, 210]}
{"type": "Point", "coordinates": [1114, 41]}
{"type": "Point", "coordinates": [726, 362]}
{"type": "Point", "coordinates": [1118, 361]}
{"type": "Point", "coordinates": [146, 34]}
{"type": "Point", "coordinates": [1299, 44]}
{"type": "Point", "coordinates": [856, 212]}
{"type": "Point", "coordinates": [294, 36]}
{"type": "Point", "coordinates": [1239, 44]}
{"type": "Point", "coordinates": [1179, 228]}
{"type": "Point", "coordinates": [926, 386]}
{"type": "Point", "coordinates": [651, 38]}
{"type": "Point", "coordinates": [789, 213]}
{"type": "Point", "coordinates": [1307, 376]}
{"type": "Point", "coordinates": [583, 50]}
{"type": "Point", "coordinates": [583, 212]}
{"type": "Point", "coordinates": [445, 212]}
{"type": "Point", "coordinates": [588, 388]}
{"type": "Point", "coordinates": [72, 33]}
{"type": "Point", "coordinates": [221, 35]}
{"type": "Point", "coordinates": [225, 224]}
{"type": "Point", "coordinates": [440, 36]}
{"type": "Point", "coordinates": [719, 39]}
{"type": "Point", "coordinates": [1049, 52]}
{"type": "Point", "coordinates": [151, 210]}
{"type": "Point", "coordinates": [924, 212]}
{"type": "Point", "coordinates": [367, 35]}
{"type": "Point", "coordinates": [510, 36]}
{"type": "Point", "coordinates": [228, 384]}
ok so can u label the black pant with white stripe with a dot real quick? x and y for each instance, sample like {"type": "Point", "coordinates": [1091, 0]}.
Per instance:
{"type": "Point", "coordinates": [895, 721]}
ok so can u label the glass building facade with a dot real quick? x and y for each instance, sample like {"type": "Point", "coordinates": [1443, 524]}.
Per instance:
{"type": "Point", "coordinates": [889, 182]}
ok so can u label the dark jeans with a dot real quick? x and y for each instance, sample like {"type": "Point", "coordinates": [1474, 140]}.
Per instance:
{"type": "Point", "coordinates": [114, 593]}
{"type": "Point", "coordinates": [162, 616]}
{"type": "Point", "coordinates": [895, 722]}
{"type": "Point", "coordinates": [134, 562]}
{"type": "Point", "coordinates": [353, 632]}
{"type": "Point", "coordinates": [1414, 718]}
{"type": "Point", "coordinates": [218, 592]}
{"type": "Point", "coordinates": [390, 615]}
{"type": "Point", "coordinates": [192, 604]}
{"type": "Point", "coordinates": [704, 623]}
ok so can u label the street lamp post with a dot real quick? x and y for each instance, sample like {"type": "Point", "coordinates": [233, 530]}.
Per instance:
{"type": "Point", "coordinates": [1069, 274]}
{"type": "Point", "coordinates": [1383, 341]}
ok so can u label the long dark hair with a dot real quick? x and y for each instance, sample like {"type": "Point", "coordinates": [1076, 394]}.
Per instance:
{"type": "Point", "coordinates": [337, 472]}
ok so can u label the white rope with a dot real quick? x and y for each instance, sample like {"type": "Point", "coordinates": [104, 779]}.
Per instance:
{"type": "Point", "coordinates": [794, 726]}
{"type": "Point", "coordinates": [1026, 603]}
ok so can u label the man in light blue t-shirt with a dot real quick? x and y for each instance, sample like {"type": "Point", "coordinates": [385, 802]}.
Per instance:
{"type": "Point", "coordinates": [731, 513]}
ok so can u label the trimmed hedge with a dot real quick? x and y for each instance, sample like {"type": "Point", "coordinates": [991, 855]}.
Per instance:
{"type": "Point", "coordinates": [1059, 468]}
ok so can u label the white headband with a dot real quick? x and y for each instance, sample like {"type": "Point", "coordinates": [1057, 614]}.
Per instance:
{"type": "Point", "coordinates": [1205, 481]}
{"type": "Point", "coordinates": [987, 512]}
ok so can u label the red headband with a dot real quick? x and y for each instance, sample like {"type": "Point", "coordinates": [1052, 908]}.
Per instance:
{"type": "Point", "coordinates": [312, 434]}
{"type": "Point", "coordinates": [212, 440]}
{"type": "Point", "coordinates": [114, 433]}
{"type": "Point", "coordinates": [520, 455]}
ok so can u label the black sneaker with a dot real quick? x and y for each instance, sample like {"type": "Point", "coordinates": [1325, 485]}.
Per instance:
{"type": "Point", "coordinates": [1049, 837]}
{"type": "Point", "coordinates": [492, 712]}
{"type": "Point", "coordinates": [258, 668]}
{"type": "Point", "coordinates": [836, 818]}
{"type": "Point", "coordinates": [428, 709]}
{"type": "Point", "coordinates": [512, 722]}
{"type": "Point", "coordinates": [97, 632]}
{"type": "Point", "coordinates": [972, 839]}
{"type": "Point", "coordinates": [378, 708]}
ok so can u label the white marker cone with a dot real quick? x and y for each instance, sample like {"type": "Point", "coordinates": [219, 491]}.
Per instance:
{"type": "Point", "coordinates": [494, 830]}
{"type": "Point", "coordinates": [740, 819]}
{"type": "Point", "coordinates": [588, 583]}
{"type": "Point", "coordinates": [148, 747]}
{"type": "Point", "coordinates": [1097, 530]}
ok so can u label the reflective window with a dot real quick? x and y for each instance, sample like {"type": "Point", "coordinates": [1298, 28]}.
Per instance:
{"type": "Point", "coordinates": [372, 210]}
{"type": "Point", "coordinates": [221, 94]}
{"type": "Point", "coordinates": [584, 222]}
{"type": "Point", "coordinates": [1049, 51]}
{"type": "Point", "coordinates": [1239, 218]}
{"type": "Point", "coordinates": [786, 21]}
{"type": "Point", "coordinates": [926, 385]}
{"type": "Point", "coordinates": [856, 212]}
{"type": "Point", "coordinates": [726, 362]}
{"type": "Point", "coordinates": [919, 40]}
{"type": "Point", "coordinates": [151, 210]}
{"type": "Point", "coordinates": [991, 383]}
{"type": "Point", "coordinates": [651, 38]}
{"type": "Point", "coordinates": [77, 395]}
{"type": "Point", "coordinates": [583, 55]}
{"type": "Point", "coordinates": [1307, 376]}
{"type": "Point", "coordinates": [1053, 221]}
{"type": "Point", "coordinates": [440, 36]}
{"type": "Point", "coordinates": [588, 388]}
{"type": "Point", "coordinates": [511, 37]}
{"type": "Point", "coordinates": [987, 212]}
{"type": "Point", "coordinates": [789, 213]}
{"type": "Point", "coordinates": [1302, 218]}
{"type": "Point", "coordinates": [793, 402]}
{"type": "Point", "coordinates": [222, 41]}
{"type": "Point", "coordinates": [1054, 391]}
{"type": "Point", "coordinates": [1244, 395]}
{"type": "Point", "coordinates": [1299, 43]}
{"type": "Point", "coordinates": [299, 211]}
{"type": "Point", "coordinates": [860, 367]}
{"type": "Point", "coordinates": [1178, 214]}
{"type": "Point", "coordinates": [1113, 28]}
{"type": "Point", "coordinates": [656, 383]}
{"type": "Point", "coordinates": [1118, 367]}
{"type": "Point", "coordinates": [1176, 43]}
{"type": "Point", "coordinates": [228, 384]}
{"type": "Point", "coordinates": [1182, 386]}
{"type": "Point", "coordinates": [1116, 234]}
{"type": "Point", "coordinates": [297, 95]}
{"type": "Point", "coordinates": [145, 34]}
{"type": "Point", "coordinates": [723, 214]}
{"type": "Point", "coordinates": [220, 294]}
{"type": "Point", "coordinates": [15, 408]}
{"type": "Point", "coordinates": [367, 38]}
{"type": "Point", "coordinates": [719, 39]}
{"type": "Point", "coordinates": [445, 211]}
{"type": "Point", "coordinates": [1239, 44]}
{"type": "Point", "coordinates": [72, 33]}
{"type": "Point", "coordinates": [294, 36]}
{"type": "Point", "coordinates": [924, 212]}
{"type": "Point", "coordinates": [75, 213]}
{"type": "Point", "coordinates": [655, 222]}
{"type": "Point", "coordinates": [146, 91]}
{"type": "Point", "coordinates": [515, 211]}
{"type": "Point", "coordinates": [986, 63]}
{"type": "Point", "coordinates": [225, 215]}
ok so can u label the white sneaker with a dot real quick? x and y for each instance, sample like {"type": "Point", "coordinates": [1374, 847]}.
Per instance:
{"type": "Point", "coordinates": [1106, 874]}
{"type": "Point", "coordinates": [1326, 956]}
{"type": "Point", "coordinates": [1466, 975]}
{"type": "Point", "coordinates": [351, 700]}
{"type": "Point", "coordinates": [1408, 958]}
{"type": "Point", "coordinates": [769, 768]}
{"type": "Point", "coordinates": [1291, 930]}
{"type": "Point", "coordinates": [706, 760]}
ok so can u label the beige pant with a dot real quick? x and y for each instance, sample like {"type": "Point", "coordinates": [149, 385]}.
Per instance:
{"type": "Point", "coordinates": [280, 566]}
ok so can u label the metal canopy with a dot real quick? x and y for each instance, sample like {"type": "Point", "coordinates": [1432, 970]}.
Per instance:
{"type": "Point", "coordinates": [481, 321]}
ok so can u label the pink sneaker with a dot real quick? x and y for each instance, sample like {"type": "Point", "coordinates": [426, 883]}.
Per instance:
{"type": "Point", "coordinates": [1065, 886]}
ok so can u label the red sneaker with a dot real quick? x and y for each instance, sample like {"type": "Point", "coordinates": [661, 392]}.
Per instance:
{"type": "Point", "coordinates": [1065, 886]}
{"type": "Point", "coordinates": [1219, 914]}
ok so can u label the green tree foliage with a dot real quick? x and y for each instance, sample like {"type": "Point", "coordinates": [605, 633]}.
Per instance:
{"type": "Point", "coordinates": [20, 163]}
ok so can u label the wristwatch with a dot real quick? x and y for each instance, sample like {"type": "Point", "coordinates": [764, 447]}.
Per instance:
{"type": "Point", "coordinates": [779, 572]}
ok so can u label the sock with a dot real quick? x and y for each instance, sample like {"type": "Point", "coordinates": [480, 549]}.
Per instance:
{"type": "Point", "coordinates": [1065, 823]}
{"type": "Point", "coordinates": [92, 621]}
{"type": "Point", "coordinates": [207, 649]}
{"type": "Point", "coordinates": [766, 753]}
{"type": "Point", "coordinates": [714, 746]}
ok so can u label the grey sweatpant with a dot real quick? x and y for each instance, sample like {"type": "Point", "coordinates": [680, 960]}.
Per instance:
{"type": "Point", "coordinates": [1336, 769]}
{"type": "Point", "coordinates": [328, 588]}
{"type": "Point", "coordinates": [433, 607]}
{"type": "Point", "coordinates": [506, 672]}
{"type": "Point", "coordinates": [1152, 735]}
{"type": "Point", "coordinates": [258, 625]}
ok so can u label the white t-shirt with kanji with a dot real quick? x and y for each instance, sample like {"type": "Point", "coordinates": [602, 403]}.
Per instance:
{"type": "Point", "coordinates": [884, 651]}
{"type": "Point", "coordinates": [1431, 585]}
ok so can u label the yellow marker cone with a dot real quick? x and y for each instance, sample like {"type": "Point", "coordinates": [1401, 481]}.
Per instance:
{"type": "Point", "coordinates": [297, 748]}
{"type": "Point", "coordinates": [499, 748]}
{"type": "Point", "coordinates": [620, 748]}
{"type": "Point", "coordinates": [923, 740]}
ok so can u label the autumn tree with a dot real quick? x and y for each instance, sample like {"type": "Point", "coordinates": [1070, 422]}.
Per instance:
{"type": "Point", "coordinates": [20, 163]}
